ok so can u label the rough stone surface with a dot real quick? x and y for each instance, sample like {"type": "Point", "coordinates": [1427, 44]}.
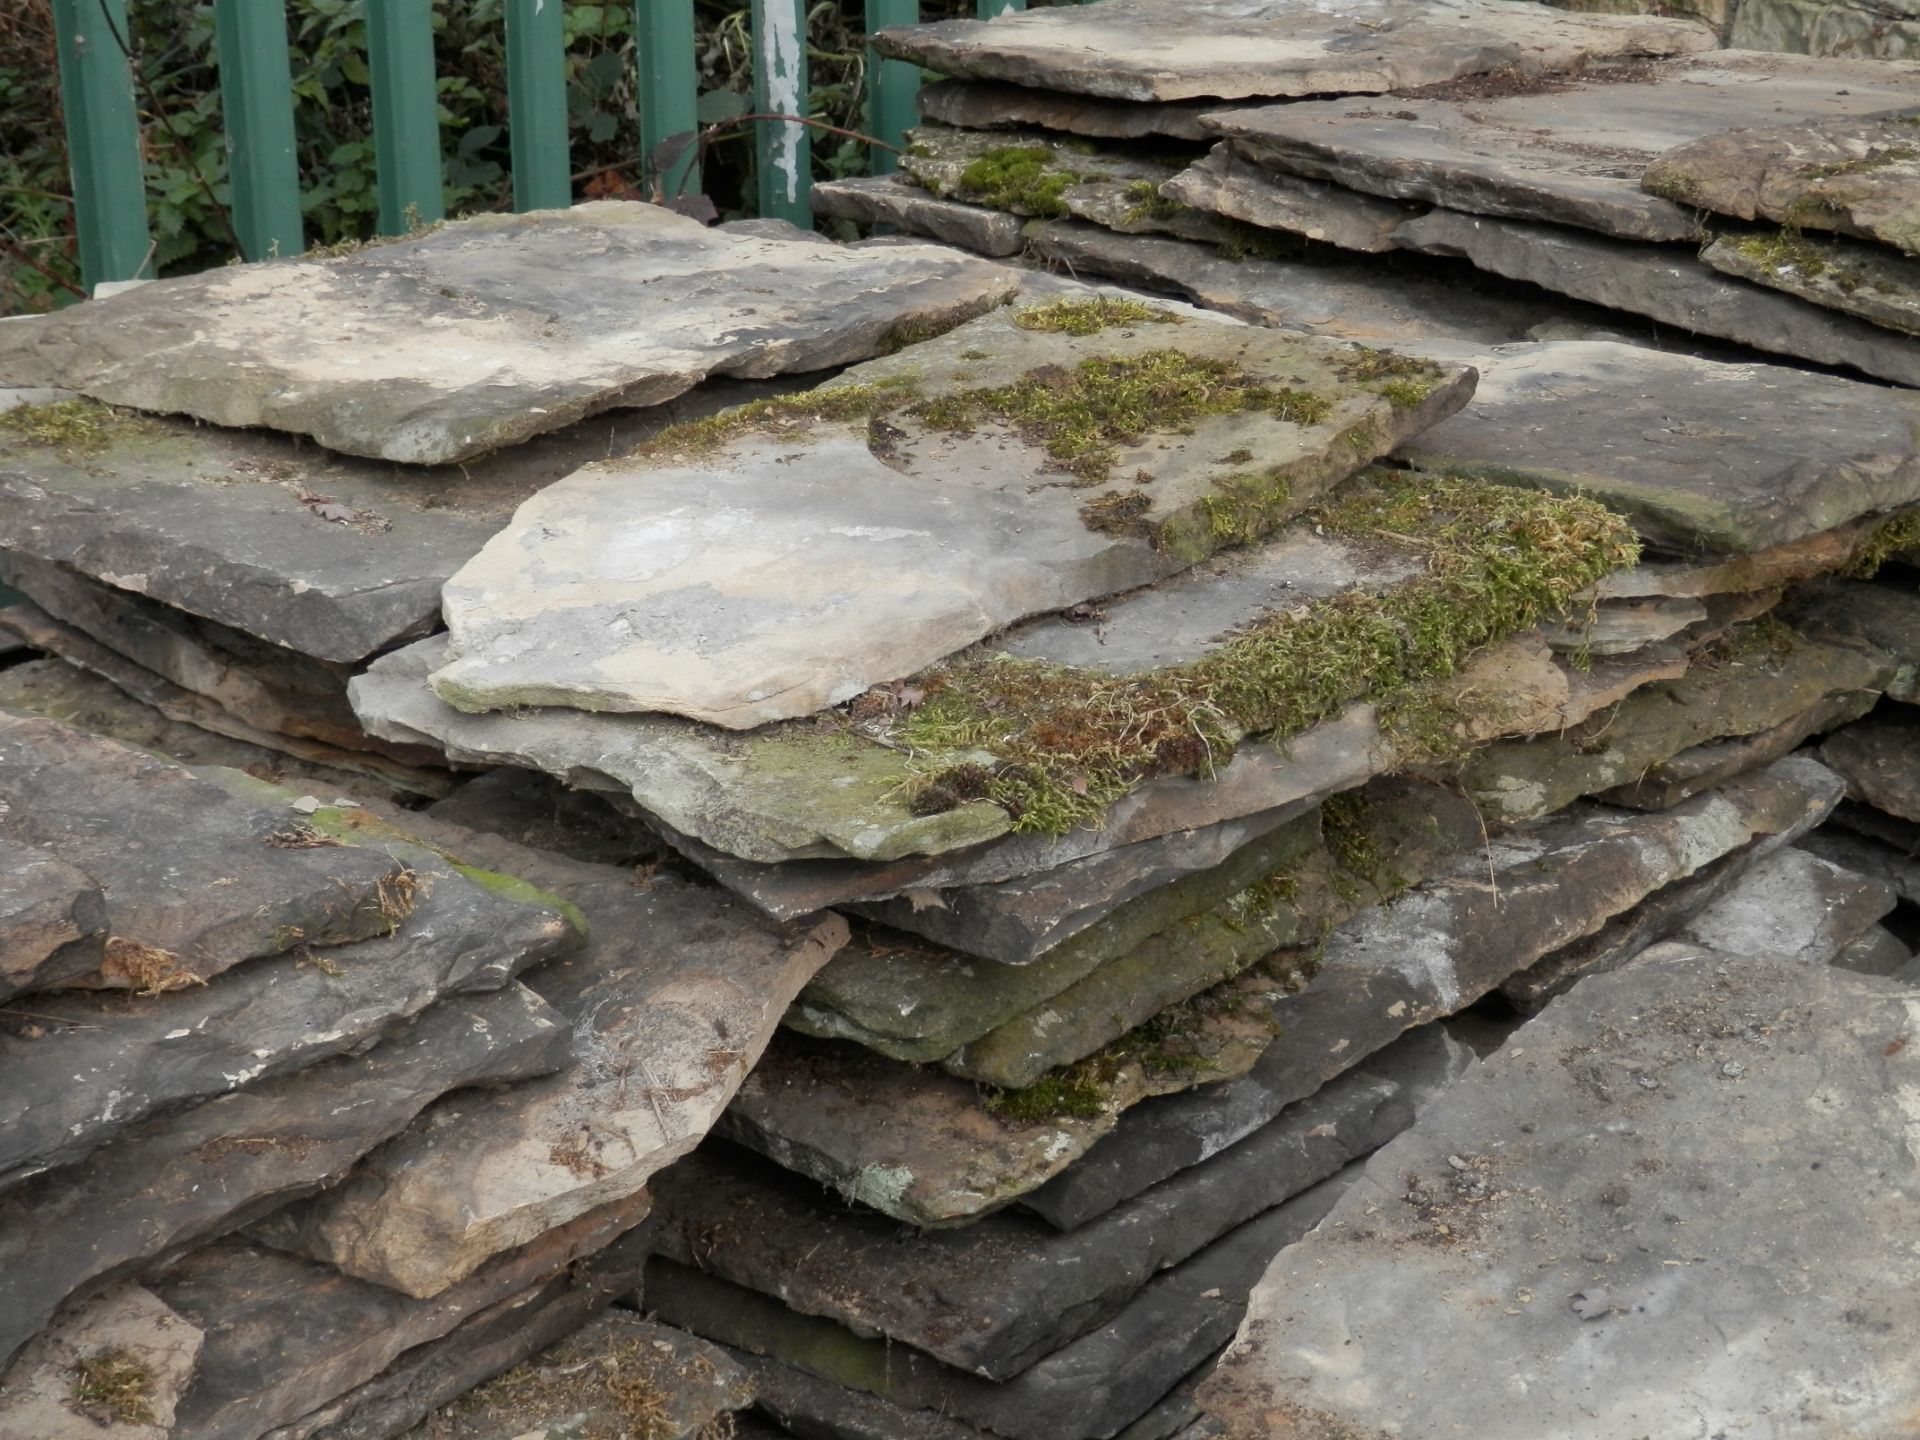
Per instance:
{"type": "Point", "coordinates": [53, 920]}
{"type": "Point", "coordinates": [173, 1181]}
{"type": "Point", "coordinates": [1613, 1231]}
{"type": "Point", "coordinates": [988, 105]}
{"type": "Point", "coordinates": [1876, 951]}
{"type": "Point", "coordinates": [1791, 906]}
{"type": "Point", "coordinates": [540, 813]}
{"type": "Point", "coordinates": [1236, 49]}
{"type": "Point", "coordinates": [439, 348]}
{"type": "Point", "coordinates": [1665, 783]}
{"type": "Point", "coordinates": [669, 1006]}
{"type": "Point", "coordinates": [1894, 864]}
{"type": "Point", "coordinates": [1667, 285]}
{"type": "Point", "coordinates": [741, 585]}
{"type": "Point", "coordinates": [821, 1410]}
{"type": "Point", "coordinates": [1880, 757]}
{"type": "Point", "coordinates": [1569, 151]}
{"type": "Point", "coordinates": [1881, 617]}
{"type": "Point", "coordinates": [1224, 183]}
{"type": "Point", "coordinates": [193, 879]}
{"type": "Point", "coordinates": [889, 200]}
{"type": "Point", "coordinates": [1857, 176]}
{"type": "Point", "coordinates": [1703, 456]}
{"type": "Point", "coordinates": [1886, 28]}
{"type": "Point", "coordinates": [1863, 280]}
{"type": "Point", "coordinates": [125, 1326]}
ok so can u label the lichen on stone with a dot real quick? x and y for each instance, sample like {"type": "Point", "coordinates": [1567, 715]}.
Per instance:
{"type": "Point", "coordinates": [80, 425]}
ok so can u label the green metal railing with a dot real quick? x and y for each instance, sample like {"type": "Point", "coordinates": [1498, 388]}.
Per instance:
{"type": "Point", "coordinates": [103, 129]}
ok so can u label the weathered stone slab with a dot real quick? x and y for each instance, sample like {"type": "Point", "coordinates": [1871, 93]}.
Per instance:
{"type": "Point", "coordinates": [1880, 617]}
{"type": "Point", "coordinates": [1092, 1387]}
{"type": "Point", "coordinates": [807, 1405]}
{"type": "Point", "coordinates": [1865, 280]}
{"type": "Point", "coordinates": [889, 200]}
{"type": "Point", "coordinates": [1724, 458]}
{"type": "Point", "coordinates": [99, 1063]}
{"type": "Point", "coordinates": [1894, 864]}
{"type": "Point", "coordinates": [1877, 951]}
{"type": "Point", "coordinates": [1791, 906]}
{"type": "Point", "coordinates": [1665, 783]}
{"type": "Point", "coordinates": [1224, 183]}
{"type": "Point", "coordinates": [1880, 758]}
{"type": "Point", "coordinates": [1856, 176]}
{"type": "Point", "coordinates": [1620, 627]}
{"type": "Point", "coordinates": [174, 1181]}
{"type": "Point", "coordinates": [446, 346]}
{"type": "Point", "coordinates": [541, 813]}
{"type": "Point", "coordinates": [1608, 1185]}
{"type": "Point", "coordinates": [1569, 150]}
{"type": "Point", "coordinates": [1886, 28]}
{"type": "Point", "coordinates": [924, 1148]}
{"type": "Point", "coordinates": [195, 881]}
{"type": "Point", "coordinates": [998, 1296]}
{"type": "Point", "coordinates": [736, 577]}
{"type": "Point", "coordinates": [1238, 49]}
{"type": "Point", "coordinates": [669, 1006]}
{"type": "Point", "coordinates": [1667, 285]}
{"type": "Point", "coordinates": [111, 1368]}
{"type": "Point", "coordinates": [988, 105]}
{"type": "Point", "coordinates": [53, 920]}
{"type": "Point", "coordinates": [1823, 553]}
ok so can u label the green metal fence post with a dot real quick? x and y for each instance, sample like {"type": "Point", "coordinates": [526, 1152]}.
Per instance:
{"type": "Point", "coordinates": [669, 90]}
{"type": "Point", "coordinates": [256, 93]}
{"type": "Point", "coordinates": [892, 85]}
{"type": "Point", "coordinates": [103, 140]}
{"type": "Point", "coordinates": [537, 104]}
{"type": "Point", "coordinates": [988, 9]}
{"type": "Point", "coordinates": [406, 114]}
{"type": "Point", "coordinates": [784, 148]}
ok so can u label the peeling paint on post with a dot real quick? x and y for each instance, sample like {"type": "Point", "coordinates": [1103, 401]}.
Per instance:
{"type": "Point", "coordinates": [784, 149]}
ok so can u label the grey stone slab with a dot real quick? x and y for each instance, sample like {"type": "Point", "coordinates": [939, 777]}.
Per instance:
{"type": "Point", "coordinates": [1889, 28]}
{"type": "Point", "coordinates": [1666, 782]}
{"type": "Point", "coordinates": [1667, 285]}
{"type": "Point", "coordinates": [1093, 1387]}
{"type": "Point", "coordinates": [1227, 184]}
{"type": "Point", "coordinates": [1611, 1184]}
{"type": "Point", "coordinates": [175, 1181]}
{"type": "Point", "coordinates": [1568, 150]}
{"type": "Point", "coordinates": [996, 1297]}
{"type": "Point", "coordinates": [1877, 951]}
{"type": "Point", "coordinates": [1856, 176]}
{"type": "Point", "coordinates": [249, 1300]}
{"type": "Point", "coordinates": [990, 105]}
{"type": "Point", "coordinates": [817, 1409]}
{"type": "Point", "coordinates": [771, 572]}
{"type": "Point", "coordinates": [124, 1335]}
{"type": "Point", "coordinates": [924, 1148]}
{"type": "Point", "coordinates": [669, 1007]}
{"type": "Point", "coordinates": [1163, 1137]}
{"type": "Point", "coordinates": [1880, 758]}
{"type": "Point", "coordinates": [99, 1063]}
{"type": "Point", "coordinates": [445, 346]}
{"type": "Point", "coordinates": [53, 920]}
{"type": "Point", "coordinates": [1894, 864]}
{"type": "Point", "coordinates": [1235, 49]}
{"type": "Point", "coordinates": [1823, 553]}
{"type": "Point", "coordinates": [890, 200]}
{"type": "Point", "coordinates": [1864, 280]}
{"type": "Point", "coordinates": [1620, 627]}
{"type": "Point", "coordinates": [194, 880]}
{"type": "Point", "coordinates": [1791, 906]}
{"type": "Point", "coordinates": [1704, 456]}
{"type": "Point", "coordinates": [1881, 617]}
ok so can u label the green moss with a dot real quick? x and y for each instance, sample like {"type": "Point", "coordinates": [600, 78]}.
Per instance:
{"type": "Point", "coordinates": [1241, 241]}
{"type": "Point", "coordinates": [66, 425]}
{"type": "Point", "coordinates": [1673, 185]}
{"type": "Point", "coordinates": [1886, 540]}
{"type": "Point", "coordinates": [1879, 157]}
{"type": "Point", "coordinates": [1404, 381]}
{"type": "Point", "coordinates": [1073, 1092]}
{"type": "Point", "coordinates": [1020, 178]}
{"type": "Point", "coordinates": [1090, 317]}
{"type": "Point", "coordinates": [1784, 250]}
{"type": "Point", "coordinates": [1150, 204]}
{"type": "Point", "coordinates": [778, 415]}
{"type": "Point", "coordinates": [1068, 742]}
{"type": "Point", "coordinates": [112, 1386]}
{"type": "Point", "coordinates": [912, 332]}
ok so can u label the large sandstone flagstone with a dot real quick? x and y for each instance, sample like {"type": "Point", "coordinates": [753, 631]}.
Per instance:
{"type": "Point", "coordinates": [1865, 280]}
{"type": "Point", "coordinates": [53, 920]}
{"type": "Point", "coordinates": [669, 1005]}
{"type": "Point", "coordinates": [1880, 757]}
{"type": "Point", "coordinates": [195, 881]}
{"type": "Point", "coordinates": [989, 105]}
{"type": "Point", "coordinates": [176, 1180]}
{"type": "Point", "coordinates": [1857, 176]}
{"type": "Point", "coordinates": [1227, 184]}
{"type": "Point", "coordinates": [1704, 456]}
{"type": "Point", "coordinates": [1146, 50]}
{"type": "Point", "coordinates": [1603, 1206]}
{"type": "Point", "coordinates": [1666, 284]}
{"type": "Point", "coordinates": [112, 1368]}
{"type": "Point", "coordinates": [1571, 150]}
{"type": "Point", "coordinates": [445, 346]}
{"type": "Point", "coordinates": [786, 567]}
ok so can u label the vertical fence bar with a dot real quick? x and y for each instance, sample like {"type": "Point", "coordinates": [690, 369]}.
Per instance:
{"type": "Point", "coordinates": [406, 114]}
{"type": "Point", "coordinates": [988, 9]}
{"type": "Point", "coordinates": [103, 140]}
{"type": "Point", "coordinates": [537, 105]}
{"type": "Point", "coordinates": [892, 85]}
{"type": "Point", "coordinates": [669, 91]}
{"type": "Point", "coordinates": [784, 149]}
{"type": "Point", "coordinates": [256, 93]}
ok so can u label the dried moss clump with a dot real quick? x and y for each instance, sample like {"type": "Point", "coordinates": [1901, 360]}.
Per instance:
{"type": "Point", "coordinates": [1405, 381]}
{"type": "Point", "coordinates": [1068, 742]}
{"type": "Point", "coordinates": [113, 1387]}
{"type": "Point", "coordinates": [1020, 178]}
{"type": "Point", "coordinates": [1090, 317]}
{"type": "Point", "coordinates": [1897, 536]}
{"type": "Point", "coordinates": [66, 425]}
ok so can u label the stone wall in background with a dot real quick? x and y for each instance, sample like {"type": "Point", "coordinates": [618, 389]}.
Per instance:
{"type": "Point", "coordinates": [1880, 29]}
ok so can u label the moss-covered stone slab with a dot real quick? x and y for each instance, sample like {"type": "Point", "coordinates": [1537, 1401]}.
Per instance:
{"type": "Point", "coordinates": [53, 920]}
{"type": "Point", "coordinates": [1225, 183]}
{"type": "Point", "coordinates": [1856, 176]}
{"type": "Point", "coordinates": [113, 1367]}
{"type": "Point", "coordinates": [991, 105]}
{"type": "Point", "coordinates": [441, 347]}
{"type": "Point", "coordinates": [891, 200]}
{"type": "Point", "coordinates": [1880, 758]}
{"type": "Point", "coordinates": [669, 1005]}
{"type": "Point", "coordinates": [195, 881]}
{"type": "Point", "coordinates": [1704, 456]}
{"type": "Point", "coordinates": [176, 1180]}
{"type": "Point", "coordinates": [1614, 1178]}
{"type": "Point", "coordinates": [1873, 283]}
{"type": "Point", "coordinates": [772, 566]}
{"type": "Point", "coordinates": [1568, 150]}
{"type": "Point", "coordinates": [1238, 49]}
{"type": "Point", "coordinates": [1668, 285]}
